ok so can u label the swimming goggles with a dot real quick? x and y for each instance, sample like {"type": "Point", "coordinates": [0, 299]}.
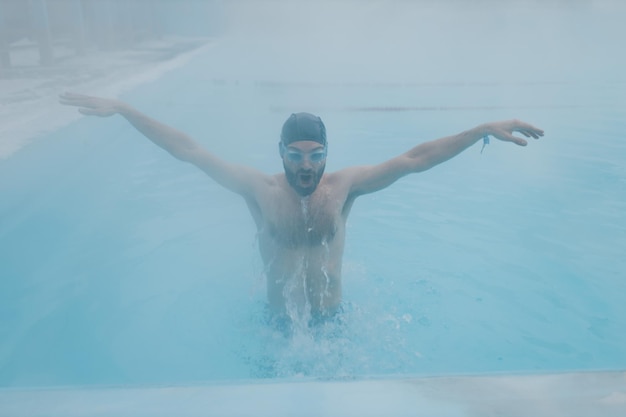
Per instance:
{"type": "Point", "coordinates": [316, 156]}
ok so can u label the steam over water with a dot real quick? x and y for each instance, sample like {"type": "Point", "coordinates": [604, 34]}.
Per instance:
{"type": "Point", "coordinates": [424, 41]}
{"type": "Point", "coordinates": [121, 265]}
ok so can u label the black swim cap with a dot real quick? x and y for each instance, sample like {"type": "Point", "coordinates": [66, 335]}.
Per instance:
{"type": "Point", "coordinates": [303, 126]}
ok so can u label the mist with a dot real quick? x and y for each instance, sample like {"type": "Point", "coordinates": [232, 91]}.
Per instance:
{"type": "Point", "coordinates": [391, 41]}
{"type": "Point", "coordinates": [316, 44]}
{"type": "Point", "coordinates": [127, 266]}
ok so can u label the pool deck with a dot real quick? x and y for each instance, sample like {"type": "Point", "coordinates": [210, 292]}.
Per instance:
{"type": "Point", "coordinates": [582, 394]}
{"type": "Point", "coordinates": [29, 92]}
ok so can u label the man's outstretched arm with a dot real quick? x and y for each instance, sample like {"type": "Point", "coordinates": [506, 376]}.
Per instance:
{"type": "Point", "coordinates": [234, 177]}
{"type": "Point", "coordinates": [426, 155]}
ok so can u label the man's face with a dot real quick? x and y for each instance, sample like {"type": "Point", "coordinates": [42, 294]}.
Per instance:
{"type": "Point", "coordinates": [304, 163]}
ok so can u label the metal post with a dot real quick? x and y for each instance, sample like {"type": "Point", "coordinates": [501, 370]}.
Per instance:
{"type": "Point", "coordinates": [106, 27]}
{"type": "Point", "coordinates": [5, 56]}
{"type": "Point", "coordinates": [125, 19]}
{"type": "Point", "coordinates": [41, 26]}
{"type": "Point", "coordinates": [78, 16]}
{"type": "Point", "coordinates": [151, 14]}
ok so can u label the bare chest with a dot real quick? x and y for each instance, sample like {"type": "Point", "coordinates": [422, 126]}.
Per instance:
{"type": "Point", "coordinates": [295, 222]}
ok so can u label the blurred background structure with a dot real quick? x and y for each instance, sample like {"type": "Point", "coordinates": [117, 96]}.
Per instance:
{"type": "Point", "coordinates": [58, 28]}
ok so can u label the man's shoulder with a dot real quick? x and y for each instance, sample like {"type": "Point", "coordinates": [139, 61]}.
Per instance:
{"type": "Point", "coordinates": [341, 181]}
{"type": "Point", "coordinates": [344, 175]}
{"type": "Point", "coordinates": [266, 182]}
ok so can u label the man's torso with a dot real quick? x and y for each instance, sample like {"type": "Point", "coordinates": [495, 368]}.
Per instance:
{"type": "Point", "coordinates": [301, 240]}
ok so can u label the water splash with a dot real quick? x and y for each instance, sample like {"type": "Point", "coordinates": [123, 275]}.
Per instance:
{"type": "Point", "coordinates": [298, 307]}
{"type": "Point", "coordinates": [304, 205]}
{"type": "Point", "coordinates": [299, 344]}
{"type": "Point", "coordinates": [326, 291]}
{"type": "Point", "coordinates": [297, 304]}
{"type": "Point", "coordinates": [361, 340]}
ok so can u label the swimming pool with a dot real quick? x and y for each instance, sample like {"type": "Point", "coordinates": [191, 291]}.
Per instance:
{"type": "Point", "coordinates": [122, 266]}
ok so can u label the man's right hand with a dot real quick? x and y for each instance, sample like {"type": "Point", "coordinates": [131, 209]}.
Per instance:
{"type": "Point", "coordinates": [91, 106]}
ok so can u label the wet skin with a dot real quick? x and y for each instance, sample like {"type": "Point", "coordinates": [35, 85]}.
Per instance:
{"type": "Point", "coordinates": [301, 229]}
{"type": "Point", "coordinates": [301, 213]}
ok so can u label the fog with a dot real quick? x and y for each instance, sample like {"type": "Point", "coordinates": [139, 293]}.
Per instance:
{"type": "Point", "coordinates": [422, 41]}
{"type": "Point", "coordinates": [331, 43]}
{"type": "Point", "coordinates": [125, 261]}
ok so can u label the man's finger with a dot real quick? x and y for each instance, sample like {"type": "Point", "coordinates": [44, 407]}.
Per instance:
{"type": "Point", "coordinates": [515, 140]}
{"type": "Point", "coordinates": [79, 102]}
{"type": "Point", "coordinates": [91, 112]}
{"type": "Point", "coordinates": [75, 96]}
{"type": "Point", "coordinates": [528, 130]}
{"type": "Point", "coordinates": [533, 133]}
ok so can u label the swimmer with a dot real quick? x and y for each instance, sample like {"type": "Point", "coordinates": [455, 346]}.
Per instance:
{"type": "Point", "coordinates": [301, 213]}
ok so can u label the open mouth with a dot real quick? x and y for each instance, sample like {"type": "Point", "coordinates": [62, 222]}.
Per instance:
{"type": "Point", "coordinates": [305, 178]}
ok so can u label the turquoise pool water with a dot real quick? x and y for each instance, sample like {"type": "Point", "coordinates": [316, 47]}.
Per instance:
{"type": "Point", "coordinates": [120, 265]}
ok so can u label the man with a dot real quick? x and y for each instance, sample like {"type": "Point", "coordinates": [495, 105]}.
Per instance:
{"type": "Point", "coordinates": [301, 213]}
